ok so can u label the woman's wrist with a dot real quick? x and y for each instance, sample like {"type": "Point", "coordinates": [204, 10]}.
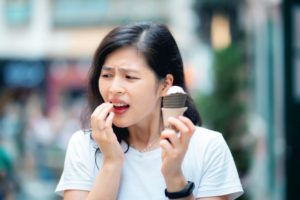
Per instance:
{"type": "Point", "coordinates": [179, 188]}
{"type": "Point", "coordinates": [175, 183]}
{"type": "Point", "coordinates": [185, 193]}
{"type": "Point", "coordinates": [112, 165]}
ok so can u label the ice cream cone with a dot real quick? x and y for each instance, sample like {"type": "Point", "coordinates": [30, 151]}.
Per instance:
{"type": "Point", "coordinates": [173, 104]}
{"type": "Point", "coordinates": [171, 112]}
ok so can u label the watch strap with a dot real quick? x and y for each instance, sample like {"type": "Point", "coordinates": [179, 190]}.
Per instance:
{"type": "Point", "coordinates": [185, 192]}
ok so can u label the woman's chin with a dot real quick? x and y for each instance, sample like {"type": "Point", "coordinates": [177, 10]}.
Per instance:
{"type": "Point", "coordinates": [120, 125]}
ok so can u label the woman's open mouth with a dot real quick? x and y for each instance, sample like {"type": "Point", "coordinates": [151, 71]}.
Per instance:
{"type": "Point", "coordinates": [120, 108]}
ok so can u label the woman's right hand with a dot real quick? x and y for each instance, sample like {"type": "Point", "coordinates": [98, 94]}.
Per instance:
{"type": "Point", "coordinates": [102, 133]}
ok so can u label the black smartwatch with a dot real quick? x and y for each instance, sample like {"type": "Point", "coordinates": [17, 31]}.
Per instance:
{"type": "Point", "coordinates": [185, 192]}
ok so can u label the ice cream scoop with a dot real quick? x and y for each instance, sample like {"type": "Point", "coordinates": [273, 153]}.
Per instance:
{"type": "Point", "coordinates": [173, 104]}
{"type": "Point", "coordinates": [175, 89]}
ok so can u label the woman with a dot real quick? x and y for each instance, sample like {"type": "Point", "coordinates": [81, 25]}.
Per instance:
{"type": "Point", "coordinates": [128, 154]}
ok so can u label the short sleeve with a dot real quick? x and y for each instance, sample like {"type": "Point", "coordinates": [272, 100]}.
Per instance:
{"type": "Point", "coordinates": [220, 174]}
{"type": "Point", "coordinates": [77, 172]}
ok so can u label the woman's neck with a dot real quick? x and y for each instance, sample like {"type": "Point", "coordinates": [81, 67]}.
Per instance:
{"type": "Point", "coordinates": [146, 132]}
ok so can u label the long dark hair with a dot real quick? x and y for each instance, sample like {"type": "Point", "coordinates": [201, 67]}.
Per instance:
{"type": "Point", "coordinates": [156, 43]}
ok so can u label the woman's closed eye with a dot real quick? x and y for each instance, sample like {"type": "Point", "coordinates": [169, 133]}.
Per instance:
{"type": "Point", "coordinates": [131, 77]}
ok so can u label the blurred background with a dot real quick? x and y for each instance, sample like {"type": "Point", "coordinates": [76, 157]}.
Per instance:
{"type": "Point", "coordinates": [242, 61]}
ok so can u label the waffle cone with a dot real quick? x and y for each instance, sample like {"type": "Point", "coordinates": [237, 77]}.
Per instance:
{"type": "Point", "coordinates": [176, 100]}
{"type": "Point", "coordinates": [171, 112]}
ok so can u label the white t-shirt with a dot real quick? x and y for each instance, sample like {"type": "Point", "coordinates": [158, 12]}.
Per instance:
{"type": "Point", "coordinates": [208, 163]}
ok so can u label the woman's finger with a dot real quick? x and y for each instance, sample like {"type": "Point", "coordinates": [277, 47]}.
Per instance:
{"type": "Point", "coordinates": [171, 136]}
{"type": "Point", "coordinates": [180, 126]}
{"type": "Point", "coordinates": [100, 115]}
{"type": "Point", "coordinates": [166, 146]}
{"type": "Point", "coordinates": [105, 111]}
{"type": "Point", "coordinates": [95, 115]}
{"type": "Point", "coordinates": [109, 120]}
{"type": "Point", "coordinates": [99, 109]}
{"type": "Point", "coordinates": [188, 123]}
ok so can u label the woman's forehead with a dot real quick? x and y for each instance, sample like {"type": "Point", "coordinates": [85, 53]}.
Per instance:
{"type": "Point", "coordinates": [125, 58]}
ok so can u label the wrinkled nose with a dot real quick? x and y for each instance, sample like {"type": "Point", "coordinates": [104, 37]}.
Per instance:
{"type": "Point", "coordinates": [116, 87]}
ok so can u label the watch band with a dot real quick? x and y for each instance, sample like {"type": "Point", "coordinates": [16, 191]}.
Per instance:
{"type": "Point", "coordinates": [185, 192]}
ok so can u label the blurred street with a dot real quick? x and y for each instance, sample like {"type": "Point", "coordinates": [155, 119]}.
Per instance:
{"type": "Point", "coordinates": [242, 67]}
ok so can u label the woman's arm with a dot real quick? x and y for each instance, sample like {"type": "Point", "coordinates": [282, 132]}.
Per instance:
{"type": "Point", "coordinates": [106, 184]}
{"type": "Point", "coordinates": [174, 149]}
{"type": "Point", "coordinates": [75, 194]}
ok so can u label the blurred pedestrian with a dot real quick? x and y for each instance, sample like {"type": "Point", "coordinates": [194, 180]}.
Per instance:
{"type": "Point", "coordinates": [128, 154]}
{"type": "Point", "coordinates": [7, 184]}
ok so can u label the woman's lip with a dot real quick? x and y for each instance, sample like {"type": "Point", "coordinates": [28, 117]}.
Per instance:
{"type": "Point", "coordinates": [117, 101]}
{"type": "Point", "coordinates": [120, 110]}
{"type": "Point", "coordinates": [117, 109]}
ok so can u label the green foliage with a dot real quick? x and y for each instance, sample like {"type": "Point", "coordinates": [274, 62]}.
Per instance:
{"type": "Point", "coordinates": [225, 109]}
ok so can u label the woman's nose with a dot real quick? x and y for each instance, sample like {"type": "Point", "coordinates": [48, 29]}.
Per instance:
{"type": "Point", "coordinates": [117, 87]}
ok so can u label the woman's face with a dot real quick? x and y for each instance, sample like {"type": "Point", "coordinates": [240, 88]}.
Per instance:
{"type": "Point", "coordinates": [130, 85]}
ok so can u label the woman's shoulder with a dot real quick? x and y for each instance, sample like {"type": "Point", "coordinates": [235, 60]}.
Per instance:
{"type": "Point", "coordinates": [79, 135]}
{"type": "Point", "coordinates": [205, 138]}
{"type": "Point", "coordinates": [206, 134]}
{"type": "Point", "coordinates": [81, 138]}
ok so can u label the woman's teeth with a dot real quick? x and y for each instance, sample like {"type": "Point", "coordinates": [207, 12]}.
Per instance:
{"type": "Point", "coordinates": [119, 105]}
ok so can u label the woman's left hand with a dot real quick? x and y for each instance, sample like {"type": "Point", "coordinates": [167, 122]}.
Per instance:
{"type": "Point", "coordinates": [174, 147]}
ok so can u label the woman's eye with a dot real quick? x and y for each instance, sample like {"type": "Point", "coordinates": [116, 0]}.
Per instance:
{"type": "Point", "coordinates": [131, 77]}
{"type": "Point", "coordinates": [106, 75]}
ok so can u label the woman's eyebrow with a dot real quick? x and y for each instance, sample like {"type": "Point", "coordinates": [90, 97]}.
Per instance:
{"type": "Point", "coordinates": [126, 70]}
{"type": "Point", "coordinates": [107, 68]}
{"type": "Point", "coordinates": [122, 69]}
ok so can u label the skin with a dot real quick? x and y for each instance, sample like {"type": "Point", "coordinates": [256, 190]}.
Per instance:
{"type": "Point", "coordinates": [124, 79]}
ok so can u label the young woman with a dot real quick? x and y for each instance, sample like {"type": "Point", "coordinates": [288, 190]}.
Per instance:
{"type": "Point", "coordinates": [127, 154]}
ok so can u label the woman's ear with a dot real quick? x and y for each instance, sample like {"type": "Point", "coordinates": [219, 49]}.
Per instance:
{"type": "Point", "coordinates": [167, 83]}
